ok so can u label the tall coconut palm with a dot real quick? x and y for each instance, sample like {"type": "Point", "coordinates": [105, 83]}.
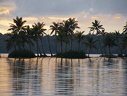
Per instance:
{"type": "Point", "coordinates": [109, 41]}
{"type": "Point", "coordinates": [90, 43]}
{"type": "Point", "coordinates": [29, 36]}
{"type": "Point", "coordinates": [79, 36]}
{"type": "Point", "coordinates": [99, 31]}
{"type": "Point", "coordinates": [69, 26]}
{"type": "Point", "coordinates": [55, 29]}
{"type": "Point", "coordinates": [38, 31]}
{"type": "Point", "coordinates": [61, 36]}
{"type": "Point", "coordinates": [17, 29]}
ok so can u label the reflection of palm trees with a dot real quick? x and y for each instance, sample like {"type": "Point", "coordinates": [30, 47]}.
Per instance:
{"type": "Point", "coordinates": [26, 76]}
{"type": "Point", "coordinates": [64, 74]}
{"type": "Point", "coordinates": [18, 68]}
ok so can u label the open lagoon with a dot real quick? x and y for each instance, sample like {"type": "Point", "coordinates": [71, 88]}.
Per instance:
{"type": "Point", "coordinates": [63, 77]}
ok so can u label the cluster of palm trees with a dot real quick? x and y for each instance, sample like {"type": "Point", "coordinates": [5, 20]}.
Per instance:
{"type": "Point", "coordinates": [65, 33]}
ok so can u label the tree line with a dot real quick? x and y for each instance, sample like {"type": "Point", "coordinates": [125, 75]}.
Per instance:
{"type": "Point", "coordinates": [66, 33]}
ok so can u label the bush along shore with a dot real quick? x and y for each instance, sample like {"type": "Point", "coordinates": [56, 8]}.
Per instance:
{"type": "Point", "coordinates": [71, 54]}
{"type": "Point", "coordinates": [21, 54]}
{"type": "Point", "coordinates": [67, 36]}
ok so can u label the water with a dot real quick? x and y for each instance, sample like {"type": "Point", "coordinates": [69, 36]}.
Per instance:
{"type": "Point", "coordinates": [63, 77]}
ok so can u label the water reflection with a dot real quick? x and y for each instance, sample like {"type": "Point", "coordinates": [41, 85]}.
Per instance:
{"type": "Point", "coordinates": [63, 77]}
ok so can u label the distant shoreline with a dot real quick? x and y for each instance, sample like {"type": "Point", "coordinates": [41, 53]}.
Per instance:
{"type": "Point", "coordinates": [91, 55]}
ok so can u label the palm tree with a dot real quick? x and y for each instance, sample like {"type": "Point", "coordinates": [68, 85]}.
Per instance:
{"type": "Point", "coordinates": [55, 29]}
{"type": "Point", "coordinates": [37, 33]}
{"type": "Point", "coordinates": [90, 43]}
{"type": "Point", "coordinates": [18, 25]}
{"type": "Point", "coordinates": [61, 35]}
{"type": "Point", "coordinates": [17, 31]}
{"type": "Point", "coordinates": [79, 36]}
{"type": "Point", "coordinates": [29, 36]}
{"type": "Point", "coordinates": [49, 45]}
{"type": "Point", "coordinates": [109, 41]}
{"type": "Point", "coordinates": [96, 27]}
{"type": "Point", "coordinates": [99, 31]}
{"type": "Point", "coordinates": [10, 42]}
{"type": "Point", "coordinates": [23, 39]}
{"type": "Point", "coordinates": [125, 29]}
{"type": "Point", "coordinates": [69, 26]}
{"type": "Point", "coordinates": [118, 39]}
{"type": "Point", "coordinates": [124, 42]}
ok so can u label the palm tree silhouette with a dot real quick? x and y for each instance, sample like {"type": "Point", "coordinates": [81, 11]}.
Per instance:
{"type": "Point", "coordinates": [55, 29]}
{"type": "Point", "coordinates": [18, 25]}
{"type": "Point", "coordinates": [99, 31]}
{"type": "Point", "coordinates": [37, 32]}
{"type": "Point", "coordinates": [17, 36]}
{"type": "Point", "coordinates": [109, 41]}
{"type": "Point", "coordinates": [125, 29]}
{"type": "Point", "coordinates": [61, 35]}
{"type": "Point", "coordinates": [70, 25]}
{"type": "Point", "coordinates": [11, 41]}
{"type": "Point", "coordinates": [118, 38]}
{"type": "Point", "coordinates": [90, 43]}
{"type": "Point", "coordinates": [29, 36]}
{"type": "Point", "coordinates": [79, 36]}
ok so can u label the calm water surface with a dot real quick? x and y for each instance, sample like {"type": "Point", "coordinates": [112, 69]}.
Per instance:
{"type": "Point", "coordinates": [63, 77]}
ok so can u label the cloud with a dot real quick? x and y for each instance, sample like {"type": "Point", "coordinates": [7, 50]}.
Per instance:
{"type": "Point", "coordinates": [111, 13]}
{"type": "Point", "coordinates": [109, 7]}
{"type": "Point", "coordinates": [69, 7]}
{"type": "Point", "coordinates": [6, 7]}
{"type": "Point", "coordinates": [50, 7]}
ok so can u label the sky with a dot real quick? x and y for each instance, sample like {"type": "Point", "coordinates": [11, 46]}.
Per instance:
{"type": "Point", "coordinates": [112, 14]}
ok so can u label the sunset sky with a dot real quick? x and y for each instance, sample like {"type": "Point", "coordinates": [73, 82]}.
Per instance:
{"type": "Point", "coordinates": [111, 13]}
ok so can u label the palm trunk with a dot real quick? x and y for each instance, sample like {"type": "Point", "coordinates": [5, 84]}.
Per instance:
{"type": "Point", "coordinates": [100, 45]}
{"type": "Point", "coordinates": [88, 52]}
{"type": "Point", "coordinates": [56, 45]}
{"type": "Point", "coordinates": [29, 47]}
{"type": "Point", "coordinates": [38, 49]}
{"type": "Point", "coordinates": [78, 46]}
{"type": "Point", "coordinates": [71, 42]}
{"type": "Point", "coordinates": [15, 47]}
{"type": "Point", "coordinates": [61, 43]}
{"type": "Point", "coordinates": [23, 45]}
{"type": "Point", "coordinates": [50, 46]}
{"type": "Point", "coordinates": [109, 50]}
{"type": "Point", "coordinates": [42, 47]}
{"type": "Point", "coordinates": [66, 46]}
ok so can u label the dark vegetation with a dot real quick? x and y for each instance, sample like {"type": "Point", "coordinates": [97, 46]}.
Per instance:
{"type": "Point", "coordinates": [72, 54]}
{"type": "Point", "coordinates": [67, 41]}
{"type": "Point", "coordinates": [21, 54]}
